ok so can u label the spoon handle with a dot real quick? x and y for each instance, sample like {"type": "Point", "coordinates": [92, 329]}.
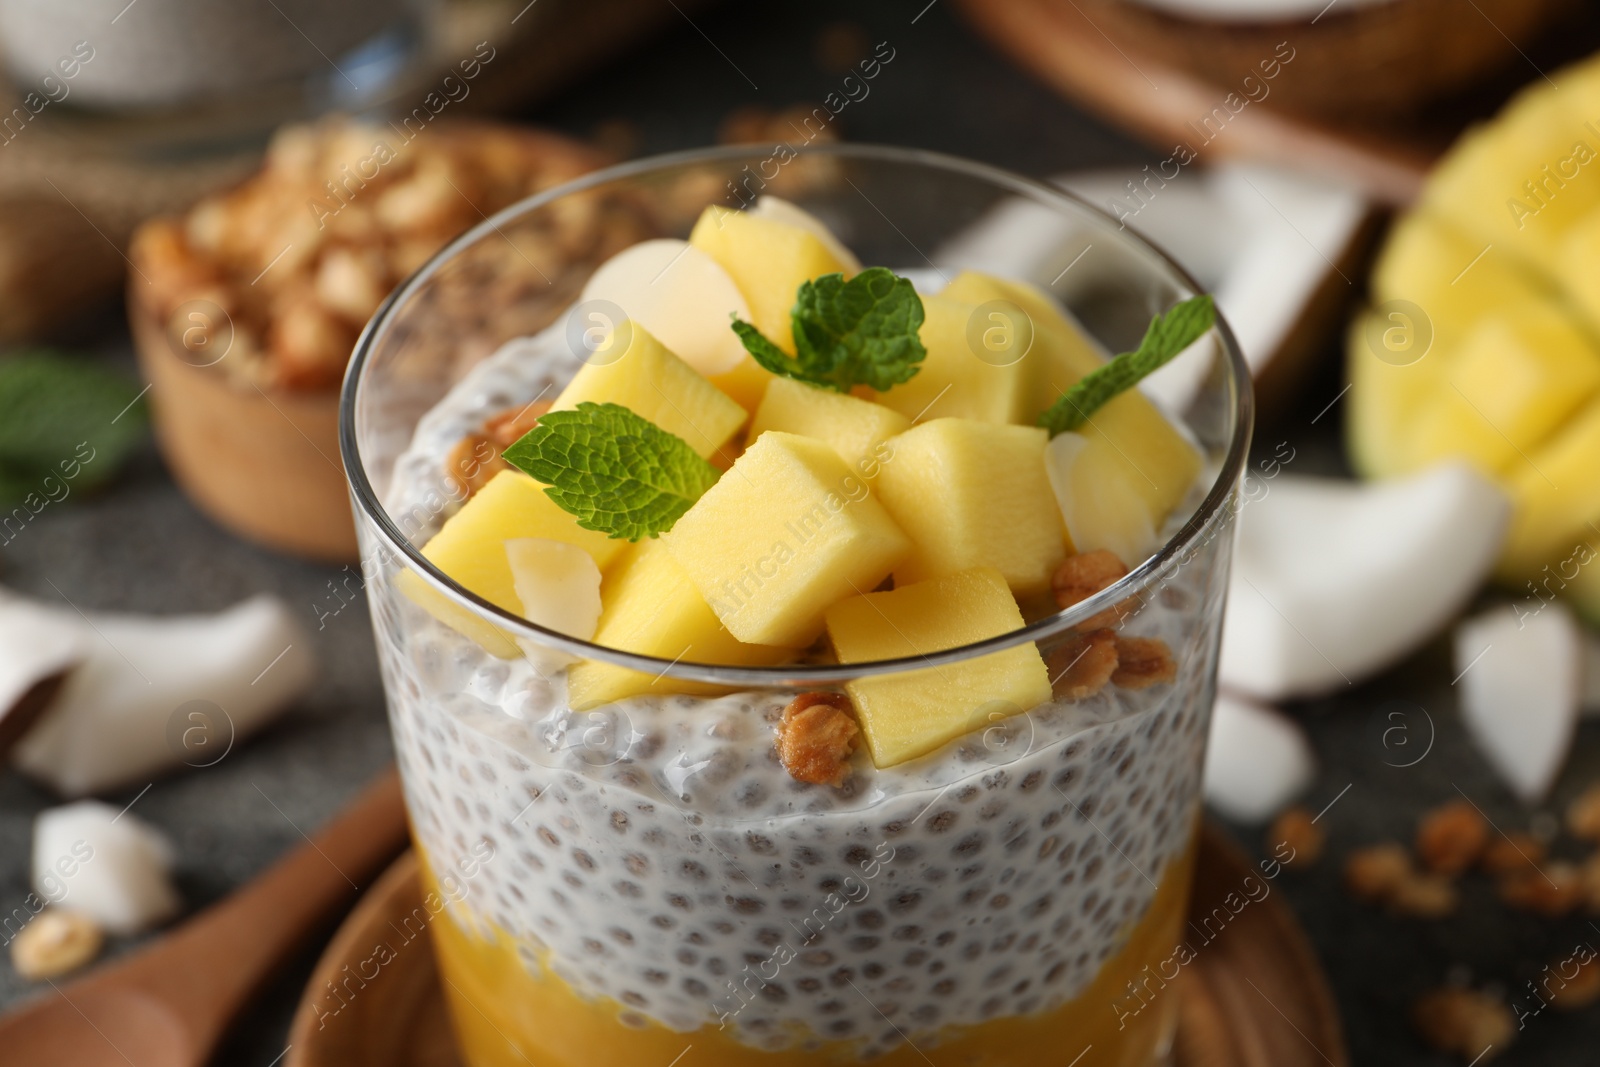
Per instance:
{"type": "Point", "coordinates": [209, 967]}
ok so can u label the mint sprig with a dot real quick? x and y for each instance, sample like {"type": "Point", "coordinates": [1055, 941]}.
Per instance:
{"type": "Point", "coordinates": [615, 471]}
{"type": "Point", "coordinates": [846, 333]}
{"type": "Point", "coordinates": [66, 419]}
{"type": "Point", "coordinates": [1168, 334]}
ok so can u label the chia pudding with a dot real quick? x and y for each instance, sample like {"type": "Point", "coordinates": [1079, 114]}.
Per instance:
{"type": "Point", "coordinates": [655, 857]}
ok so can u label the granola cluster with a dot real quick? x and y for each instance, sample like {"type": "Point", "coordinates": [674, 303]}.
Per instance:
{"type": "Point", "coordinates": [299, 256]}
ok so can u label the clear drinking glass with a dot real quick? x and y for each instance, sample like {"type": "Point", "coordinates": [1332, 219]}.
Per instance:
{"type": "Point", "coordinates": [618, 885]}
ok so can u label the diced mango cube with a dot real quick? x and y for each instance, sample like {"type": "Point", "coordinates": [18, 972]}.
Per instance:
{"type": "Point", "coordinates": [656, 385]}
{"type": "Point", "coordinates": [652, 608]}
{"type": "Point", "coordinates": [957, 380]}
{"type": "Point", "coordinates": [767, 258]}
{"type": "Point", "coordinates": [854, 427]}
{"type": "Point", "coordinates": [1557, 498]}
{"type": "Point", "coordinates": [786, 532]}
{"type": "Point", "coordinates": [470, 548]}
{"type": "Point", "coordinates": [904, 716]}
{"type": "Point", "coordinates": [973, 494]}
{"type": "Point", "coordinates": [1514, 380]}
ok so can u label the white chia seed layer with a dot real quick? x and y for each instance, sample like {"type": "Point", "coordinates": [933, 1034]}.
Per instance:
{"type": "Point", "coordinates": [656, 853]}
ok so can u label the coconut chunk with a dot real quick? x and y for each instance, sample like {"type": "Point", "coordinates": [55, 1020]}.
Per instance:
{"type": "Point", "coordinates": [1520, 683]}
{"type": "Point", "coordinates": [1257, 760]}
{"type": "Point", "coordinates": [105, 863]}
{"type": "Point", "coordinates": [112, 723]}
{"type": "Point", "coordinates": [1333, 581]}
{"type": "Point", "coordinates": [35, 654]}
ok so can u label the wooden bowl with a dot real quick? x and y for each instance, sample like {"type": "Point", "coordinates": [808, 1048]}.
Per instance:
{"type": "Point", "coordinates": [398, 1019]}
{"type": "Point", "coordinates": [1380, 59]}
{"type": "Point", "coordinates": [265, 465]}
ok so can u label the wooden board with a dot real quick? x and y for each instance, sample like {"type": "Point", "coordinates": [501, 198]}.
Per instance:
{"type": "Point", "coordinates": [1254, 995]}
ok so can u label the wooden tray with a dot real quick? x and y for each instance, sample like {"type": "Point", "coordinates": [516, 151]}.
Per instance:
{"type": "Point", "coordinates": [1226, 1018]}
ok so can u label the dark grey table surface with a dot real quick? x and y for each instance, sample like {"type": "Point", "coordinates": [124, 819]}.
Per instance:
{"type": "Point", "coordinates": [143, 547]}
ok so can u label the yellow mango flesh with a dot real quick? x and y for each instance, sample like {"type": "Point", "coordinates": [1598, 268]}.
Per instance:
{"type": "Point", "coordinates": [904, 716]}
{"type": "Point", "coordinates": [655, 384]}
{"type": "Point", "coordinates": [1096, 500]}
{"type": "Point", "coordinates": [786, 532]}
{"type": "Point", "coordinates": [853, 427]}
{"type": "Point", "coordinates": [1513, 381]}
{"type": "Point", "coordinates": [973, 494]}
{"type": "Point", "coordinates": [953, 380]}
{"type": "Point", "coordinates": [1557, 501]}
{"type": "Point", "coordinates": [767, 259]}
{"type": "Point", "coordinates": [651, 607]}
{"type": "Point", "coordinates": [470, 548]}
{"type": "Point", "coordinates": [1158, 462]}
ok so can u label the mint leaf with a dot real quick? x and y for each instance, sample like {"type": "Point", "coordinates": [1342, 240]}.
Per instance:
{"type": "Point", "coordinates": [617, 472]}
{"type": "Point", "coordinates": [61, 414]}
{"type": "Point", "coordinates": [1169, 333]}
{"type": "Point", "coordinates": [846, 333]}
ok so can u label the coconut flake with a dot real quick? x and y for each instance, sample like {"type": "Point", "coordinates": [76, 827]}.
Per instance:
{"type": "Point", "coordinates": [112, 723]}
{"type": "Point", "coordinates": [1257, 760]}
{"type": "Point", "coordinates": [558, 584]}
{"type": "Point", "coordinates": [106, 864]}
{"type": "Point", "coordinates": [34, 652]}
{"type": "Point", "coordinates": [677, 292]}
{"type": "Point", "coordinates": [1519, 674]}
{"type": "Point", "coordinates": [1333, 581]}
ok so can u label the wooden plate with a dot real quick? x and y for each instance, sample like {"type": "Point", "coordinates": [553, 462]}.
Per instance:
{"type": "Point", "coordinates": [1226, 1018]}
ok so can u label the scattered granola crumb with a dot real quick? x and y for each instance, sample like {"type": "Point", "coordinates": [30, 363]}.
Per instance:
{"type": "Point", "coordinates": [1083, 664]}
{"type": "Point", "coordinates": [1511, 853]}
{"type": "Point", "coordinates": [55, 942]}
{"type": "Point", "coordinates": [1556, 889]}
{"type": "Point", "coordinates": [1451, 837]}
{"type": "Point", "coordinates": [1583, 814]}
{"type": "Point", "coordinates": [1143, 662]}
{"type": "Point", "coordinates": [1375, 872]}
{"type": "Point", "coordinates": [1295, 828]}
{"type": "Point", "coordinates": [815, 737]}
{"type": "Point", "coordinates": [1424, 896]}
{"type": "Point", "coordinates": [1475, 1026]}
{"type": "Point", "coordinates": [1082, 576]}
{"type": "Point", "coordinates": [1589, 877]}
{"type": "Point", "coordinates": [1578, 991]}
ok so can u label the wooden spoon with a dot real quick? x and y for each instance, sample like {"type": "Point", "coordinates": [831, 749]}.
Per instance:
{"type": "Point", "coordinates": [169, 1004]}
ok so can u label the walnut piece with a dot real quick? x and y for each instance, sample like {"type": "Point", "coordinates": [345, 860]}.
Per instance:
{"type": "Point", "coordinates": [1513, 852]}
{"type": "Point", "coordinates": [57, 941]}
{"type": "Point", "coordinates": [1576, 992]}
{"type": "Point", "coordinates": [1082, 576]}
{"type": "Point", "coordinates": [1424, 896]}
{"type": "Point", "coordinates": [1554, 890]}
{"type": "Point", "coordinates": [816, 736]}
{"type": "Point", "coordinates": [1451, 837]}
{"type": "Point", "coordinates": [1375, 872]}
{"type": "Point", "coordinates": [1583, 814]}
{"type": "Point", "coordinates": [1143, 662]}
{"type": "Point", "coordinates": [476, 457]}
{"type": "Point", "coordinates": [1475, 1026]}
{"type": "Point", "coordinates": [1294, 827]}
{"type": "Point", "coordinates": [1082, 665]}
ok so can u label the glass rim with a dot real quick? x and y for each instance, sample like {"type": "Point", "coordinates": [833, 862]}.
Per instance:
{"type": "Point", "coordinates": [793, 675]}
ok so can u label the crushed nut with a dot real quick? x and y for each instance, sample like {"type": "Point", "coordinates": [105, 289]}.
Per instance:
{"type": "Point", "coordinates": [1375, 872]}
{"type": "Point", "coordinates": [1451, 837]}
{"type": "Point", "coordinates": [1556, 889]}
{"type": "Point", "coordinates": [55, 942]}
{"type": "Point", "coordinates": [1589, 877]}
{"type": "Point", "coordinates": [1082, 576]}
{"type": "Point", "coordinates": [815, 737]}
{"type": "Point", "coordinates": [1475, 1026]}
{"type": "Point", "coordinates": [1294, 828]}
{"type": "Point", "coordinates": [509, 426]}
{"type": "Point", "coordinates": [476, 457]}
{"type": "Point", "coordinates": [1424, 896]}
{"type": "Point", "coordinates": [1511, 853]}
{"type": "Point", "coordinates": [1143, 662]}
{"type": "Point", "coordinates": [1578, 991]}
{"type": "Point", "coordinates": [1583, 814]}
{"type": "Point", "coordinates": [1083, 664]}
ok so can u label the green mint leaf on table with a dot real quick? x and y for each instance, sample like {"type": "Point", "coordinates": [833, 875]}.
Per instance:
{"type": "Point", "coordinates": [617, 472]}
{"type": "Point", "coordinates": [1170, 333]}
{"type": "Point", "coordinates": [846, 333]}
{"type": "Point", "coordinates": [64, 417]}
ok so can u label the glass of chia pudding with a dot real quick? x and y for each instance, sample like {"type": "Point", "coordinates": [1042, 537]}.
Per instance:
{"type": "Point", "coordinates": [799, 649]}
